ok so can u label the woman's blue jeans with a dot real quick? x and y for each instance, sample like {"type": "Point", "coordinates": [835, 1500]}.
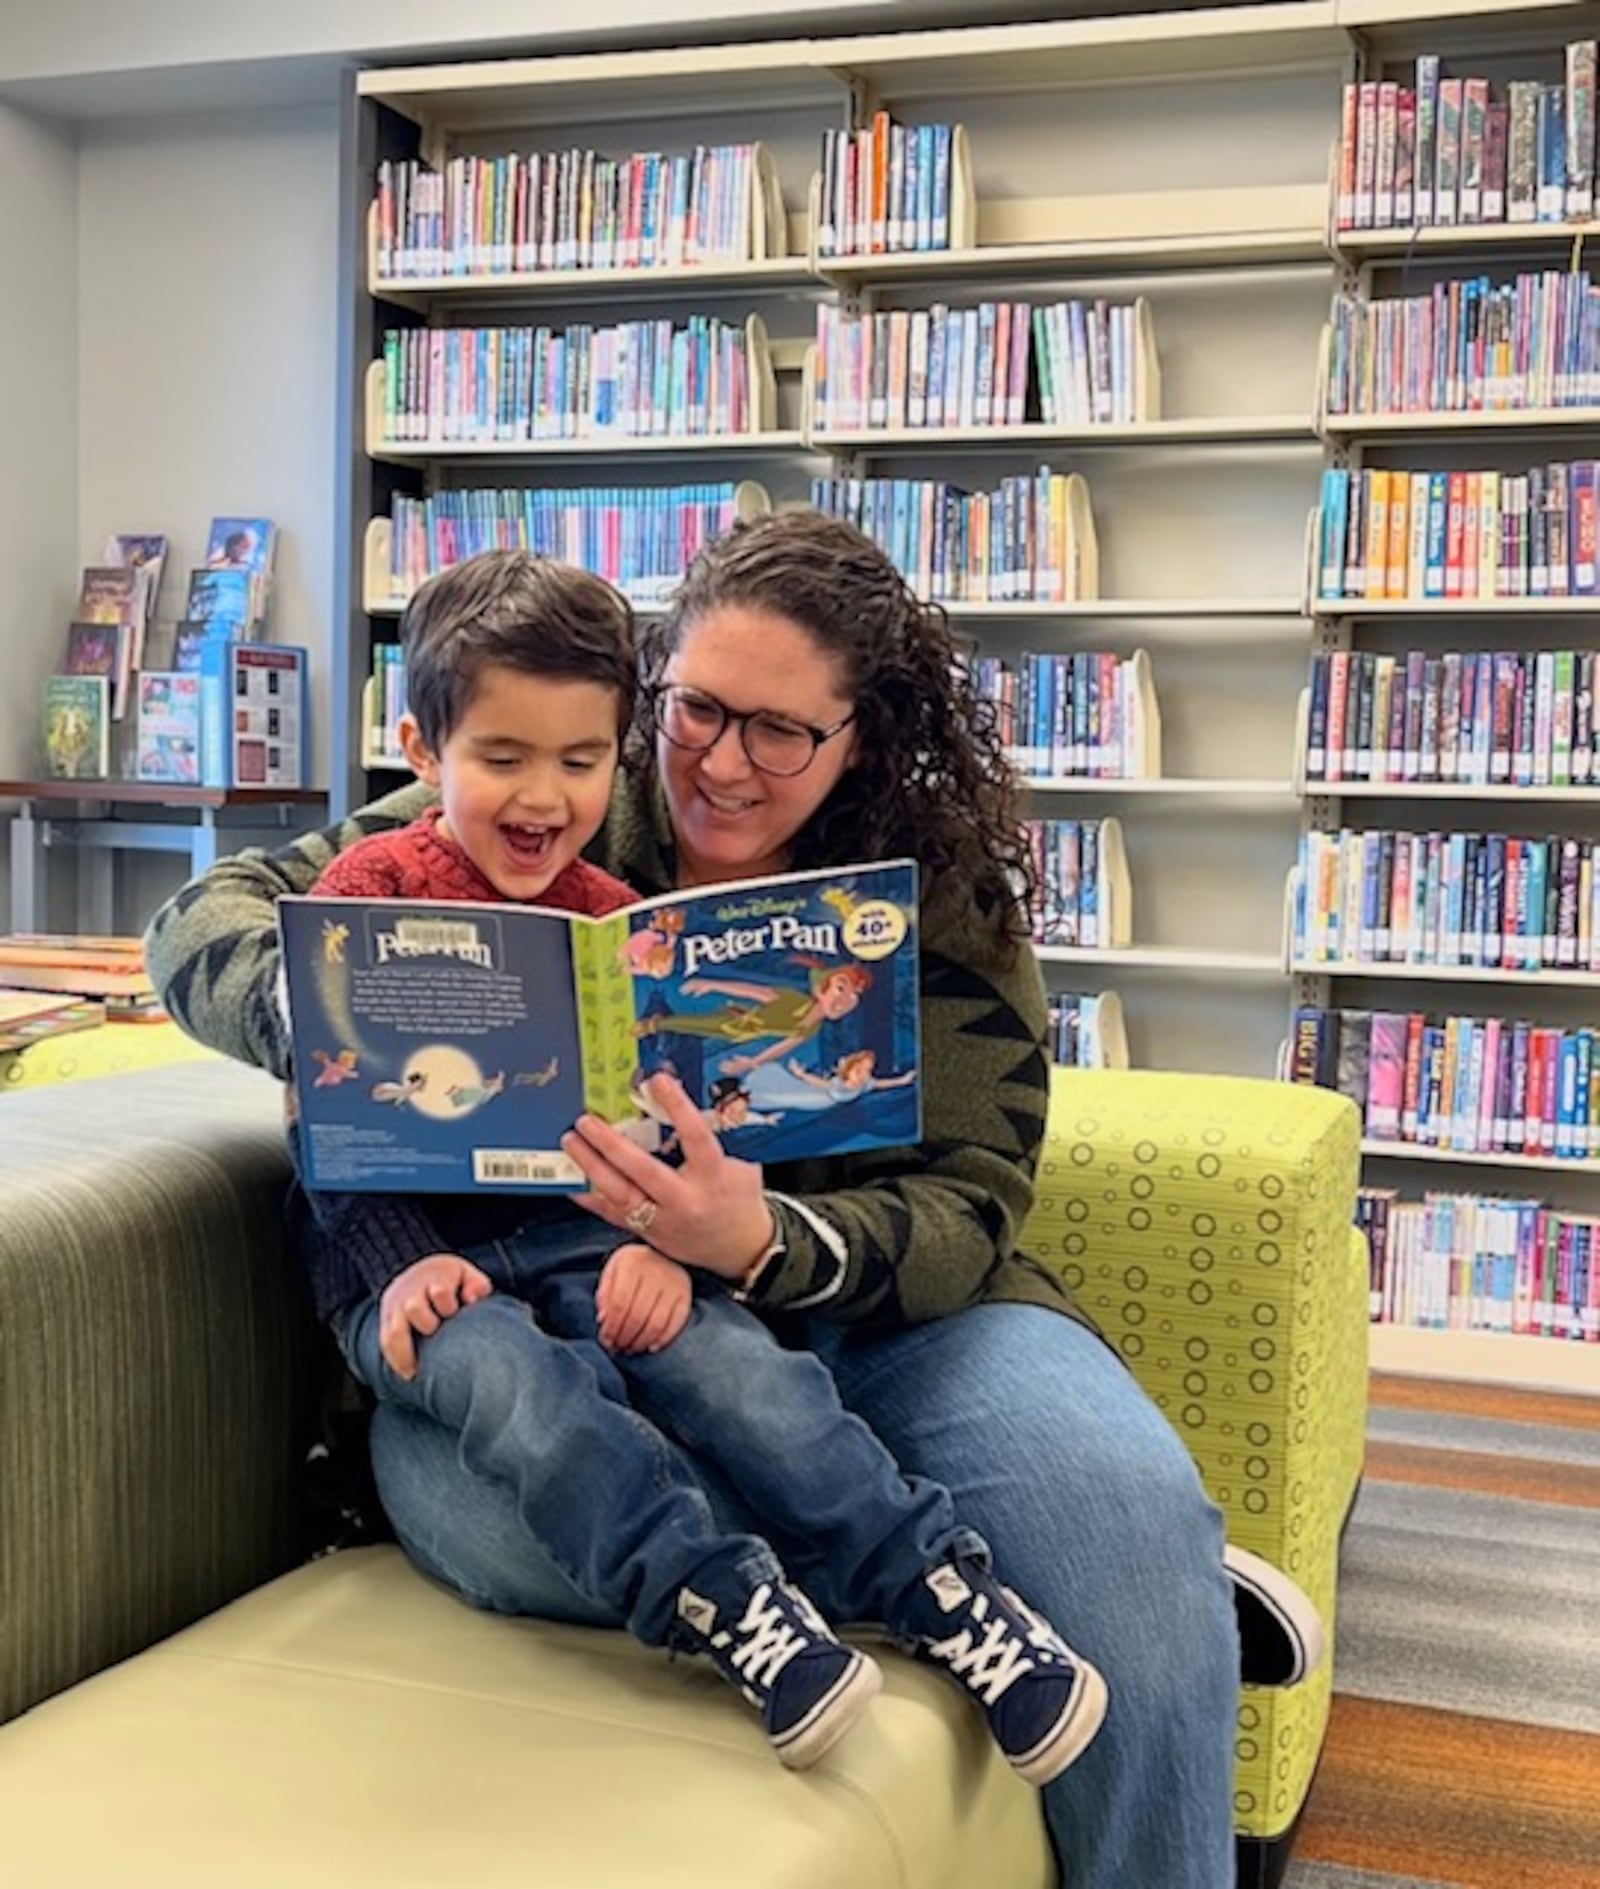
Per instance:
{"type": "Point", "coordinates": [1092, 1507]}
{"type": "Point", "coordinates": [602, 1455]}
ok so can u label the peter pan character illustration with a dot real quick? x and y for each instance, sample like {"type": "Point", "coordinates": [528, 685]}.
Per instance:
{"type": "Point", "coordinates": [471, 1095]}
{"type": "Point", "coordinates": [851, 1075]}
{"type": "Point", "coordinates": [775, 1010]}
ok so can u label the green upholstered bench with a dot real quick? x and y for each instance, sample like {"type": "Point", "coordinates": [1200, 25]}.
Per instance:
{"type": "Point", "coordinates": [346, 1721]}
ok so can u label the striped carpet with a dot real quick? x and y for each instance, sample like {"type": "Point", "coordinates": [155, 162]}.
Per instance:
{"type": "Point", "coordinates": [1464, 1749]}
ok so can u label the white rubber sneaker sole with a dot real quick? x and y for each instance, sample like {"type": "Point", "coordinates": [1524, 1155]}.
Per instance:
{"type": "Point", "coordinates": [1072, 1733]}
{"type": "Point", "coordinates": [832, 1715]}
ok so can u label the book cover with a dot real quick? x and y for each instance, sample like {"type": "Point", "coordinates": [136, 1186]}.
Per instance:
{"type": "Point", "coordinates": [145, 553]}
{"type": "Point", "coordinates": [110, 594]}
{"type": "Point", "coordinates": [169, 728]}
{"type": "Point", "coordinates": [221, 597]}
{"type": "Point", "coordinates": [1386, 1064]}
{"type": "Point", "coordinates": [253, 721]}
{"type": "Point", "coordinates": [77, 727]}
{"type": "Point", "coordinates": [448, 1047]}
{"type": "Point", "coordinates": [92, 650]}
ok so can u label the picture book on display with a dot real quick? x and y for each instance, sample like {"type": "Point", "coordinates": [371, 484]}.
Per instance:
{"type": "Point", "coordinates": [245, 546]}
{"type": "Point", "coordinates": [447, 1047]}
{"type": "Point", "coordinates": [235, 718]}
{"type": "Point", "coordinates": [77, 727]}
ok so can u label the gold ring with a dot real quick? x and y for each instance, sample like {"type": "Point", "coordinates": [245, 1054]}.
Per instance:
{"type": "Point", "coordinates": [642, 1215]}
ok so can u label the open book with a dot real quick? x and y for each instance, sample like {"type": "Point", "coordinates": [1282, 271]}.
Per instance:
{"type": "Point", "coordinates": [442, 1047]}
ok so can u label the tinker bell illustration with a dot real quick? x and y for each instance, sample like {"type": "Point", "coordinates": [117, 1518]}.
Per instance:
{"type": "Point", "coordinates": [852, 1075]}
{"type": "Point", "coordinates": [778, 1010]}
{"type": "Point", "coordinates": [335, 1069]}
{"type": "Point", "coordinates": [653, 952]}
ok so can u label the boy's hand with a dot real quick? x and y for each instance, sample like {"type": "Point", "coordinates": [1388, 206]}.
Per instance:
{"type": "Point", "coordinates": [418, 1301]}
{"type": "Point", "coordinates": [642, 1299]}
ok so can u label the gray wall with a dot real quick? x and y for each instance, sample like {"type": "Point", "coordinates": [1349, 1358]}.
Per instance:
{"type": "Point", "coordinates": [210, 388]}
{"type": "Point", "coordinates": [39, 397]}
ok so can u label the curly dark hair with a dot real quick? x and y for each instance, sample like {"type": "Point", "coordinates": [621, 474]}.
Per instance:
{"type": "Point", "coordinates": [931, 778]}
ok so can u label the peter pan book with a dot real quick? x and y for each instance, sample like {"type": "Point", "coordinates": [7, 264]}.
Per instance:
{"type": "Point", "coordinates": [444, 1047]}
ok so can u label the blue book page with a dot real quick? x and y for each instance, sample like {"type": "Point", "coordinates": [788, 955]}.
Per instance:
{"type": "Point", "coordinates": [789, 1009]}
{"type": "Point", "coordinates": [435, 1045]}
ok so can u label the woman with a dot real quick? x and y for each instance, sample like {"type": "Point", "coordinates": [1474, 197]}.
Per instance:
{"type": "Point", "coordinates": [808, 712]}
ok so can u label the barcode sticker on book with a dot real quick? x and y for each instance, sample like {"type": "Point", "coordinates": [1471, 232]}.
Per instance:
{"type": "Point", "coordinates": [520, 1167]}
{"type": "Point", "coordinates": [447, 937]}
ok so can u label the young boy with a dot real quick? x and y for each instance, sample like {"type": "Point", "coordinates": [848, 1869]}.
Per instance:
{"type": "Point", "coordinates": [580, 1371]}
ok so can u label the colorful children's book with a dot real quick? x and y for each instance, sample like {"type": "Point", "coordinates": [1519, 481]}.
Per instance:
{"type": "Point", "coordinates": [253, 720]}
{"type": "Point", "coordinates": [144, 552]}
{"type": "Point", "coordinates": [92, 650]}
{"type": "Point", "coordinates": [247, 545]}
{"type": "Point", "coordinates": [77, 727]}
{"type": "Point", "coordinates": [222, 600]}
{"type": "Point", "coordinates": [169, 728]}
{"type": "Point", "coordinates": [447, 1047]}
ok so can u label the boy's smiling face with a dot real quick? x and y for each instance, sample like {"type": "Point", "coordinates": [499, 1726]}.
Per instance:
{"type": "Point", "coordinates": [525, 775]}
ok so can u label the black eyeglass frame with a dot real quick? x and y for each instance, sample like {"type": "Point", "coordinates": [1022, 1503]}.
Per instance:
{"type": "Point", "coordinates": [663, 691]}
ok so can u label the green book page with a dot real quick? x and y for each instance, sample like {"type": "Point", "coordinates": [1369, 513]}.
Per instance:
{"type": "Point", "coordinates": [605, 1016]}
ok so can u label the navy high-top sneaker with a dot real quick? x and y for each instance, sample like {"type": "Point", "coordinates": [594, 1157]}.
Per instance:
{"type": "Point", "coordinates": [769, 1641]}
{"type": "Point", "coordinates": [1044, 1703]}
{"type": "Point", "coordinates": [1281, 1638]}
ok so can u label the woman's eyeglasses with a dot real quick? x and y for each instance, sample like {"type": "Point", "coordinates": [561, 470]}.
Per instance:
{"type": "Point", "coordinates": [772, 743]}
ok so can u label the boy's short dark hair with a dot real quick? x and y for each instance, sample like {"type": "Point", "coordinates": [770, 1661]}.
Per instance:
{"type": "Point", "coordinates": [512, 610]}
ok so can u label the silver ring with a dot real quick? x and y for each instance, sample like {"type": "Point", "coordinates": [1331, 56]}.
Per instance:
{"type": "Point", "coordinates": [640, 1218]}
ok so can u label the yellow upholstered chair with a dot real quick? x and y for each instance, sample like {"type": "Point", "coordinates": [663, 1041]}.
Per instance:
{"type": "Point", "coordinates": [1204, 1222]}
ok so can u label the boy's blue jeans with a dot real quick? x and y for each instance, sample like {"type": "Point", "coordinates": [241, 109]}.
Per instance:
{"type": "Point", "coordinates": [605, 1454]}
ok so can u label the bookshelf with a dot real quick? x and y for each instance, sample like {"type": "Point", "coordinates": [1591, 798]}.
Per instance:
{"type": "Point", "coordinates": [1501, 46]}
{"type": "Point", "coordinates": [1179, 156]}
{"type": "Point", "coordinates": [1230, 252]}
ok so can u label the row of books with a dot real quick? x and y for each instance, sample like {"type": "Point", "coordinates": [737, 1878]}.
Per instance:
{"type": "Point", "coordinates": [1087, 1031]}
{"type": "Point", "coordinates": [1482, 900]}
{"type": "Point", "coordinates": [388, 702]}
{"type": "Point", "coordinates": [1092, 363]}
{"type": "Point", "coordinates": [1468, 346]}
{"type": "Point", "coordinates": [1470, 1085]}
{"type": "Point", "coordinates": [1088, 714]}
{"type": "Point", "coordinates": [1082, 896]}
{"type": "Point", "coordinates": [576, 209]}
{"type": "Point", "coordinates": [1523, 718]}
{"type": "Point", "coordinates": [235, 719]}
{"type": "Point", "coordinates": [77, 967]}
{"type": "Point", "coordinates": [118, 597]}
{"type": "Point", "coordinates": [1480, 1262]}
{"type": "Point", "coordinates": [633, 379]}
{"type": "Point", "coordinates": [1457, 534]}
{"type": "Point", "coordinates": [884, 188]}
{"type": "Point", "coordinates": [642, 539]}
{"type": "Point", "coordinates": [1458, 149]}
{"type": "Point", "coordinates": [1031, 539]}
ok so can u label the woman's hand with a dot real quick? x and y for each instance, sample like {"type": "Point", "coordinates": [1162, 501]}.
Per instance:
{"type": "Point", "coordinates": [710, 1212]}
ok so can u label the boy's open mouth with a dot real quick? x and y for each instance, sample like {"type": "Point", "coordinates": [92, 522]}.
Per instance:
{"type": "Point", "coordinates": [529, 846]}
